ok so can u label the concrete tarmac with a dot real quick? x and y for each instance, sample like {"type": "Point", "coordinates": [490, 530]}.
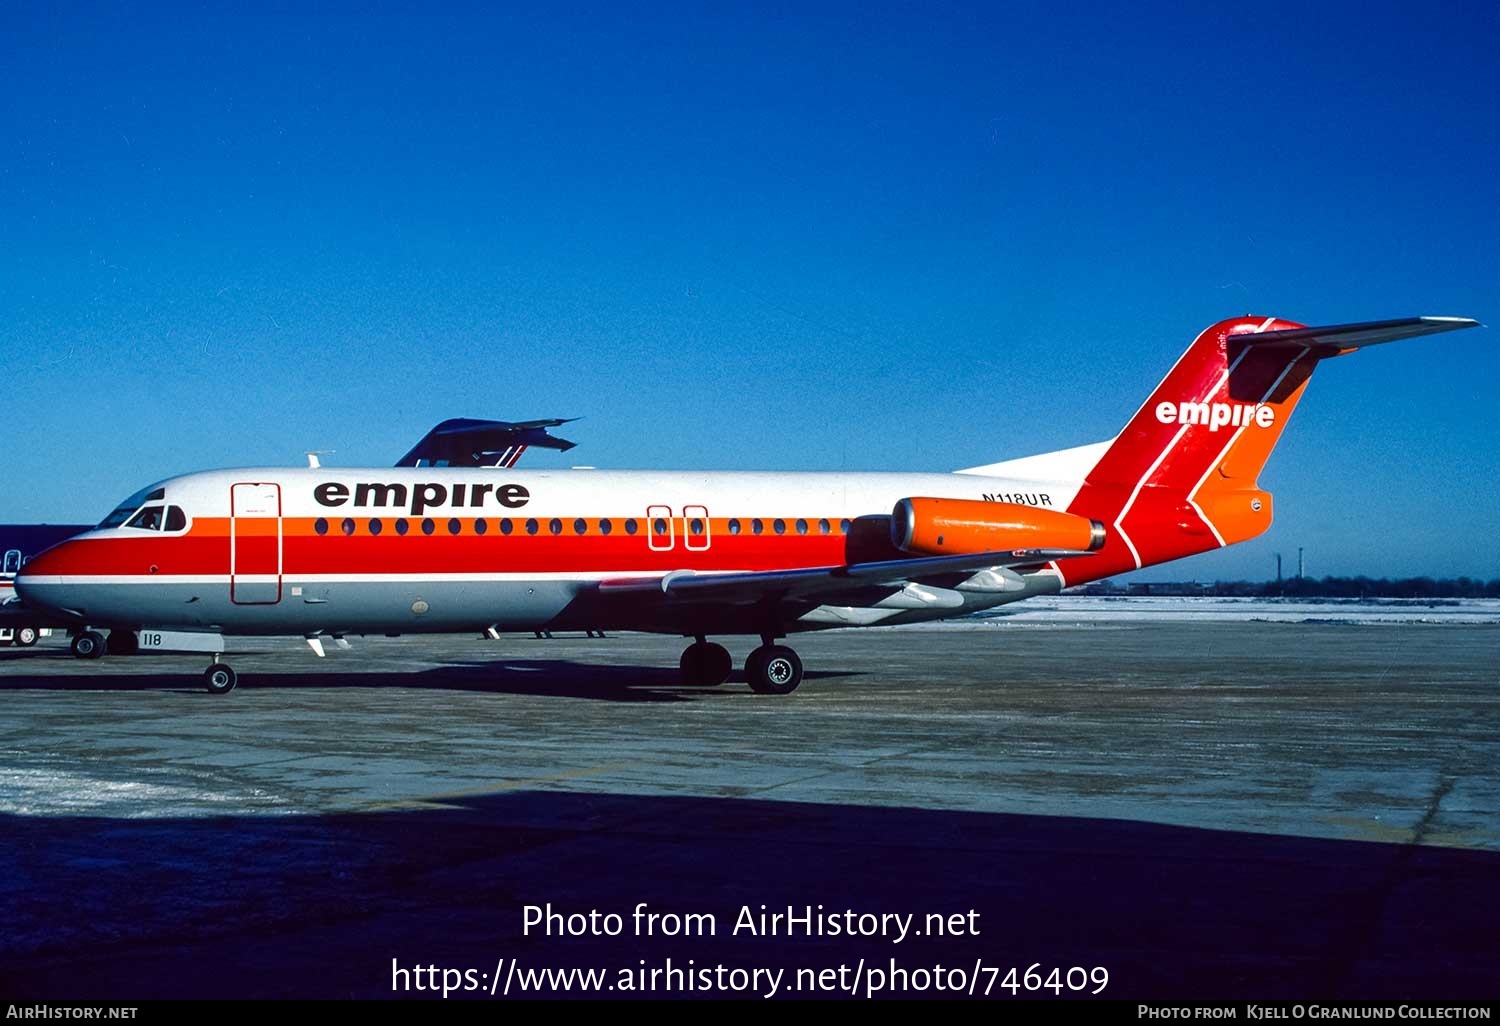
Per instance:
{"type": "Point", "coordinates": [1247, 810]}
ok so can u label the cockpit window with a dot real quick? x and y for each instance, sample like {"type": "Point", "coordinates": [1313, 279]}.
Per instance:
{"type": "Point", "coordinates": [176, 519]}
{"type": "Point", "coordinates": [123, 510]}
{"type": "Point", "coordinates": [13, 561]}
{"type": "Point", "coordinates": [148, 519]}
{"type": "Point", "coordinates": [119, 516]}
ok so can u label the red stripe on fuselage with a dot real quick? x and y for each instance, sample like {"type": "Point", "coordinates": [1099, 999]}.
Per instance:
{"type": "Point", "coordinates": [204, 550]}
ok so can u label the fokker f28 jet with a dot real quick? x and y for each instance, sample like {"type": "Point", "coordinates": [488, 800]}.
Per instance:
{"type": "Point", "coordinates": [325, 552]}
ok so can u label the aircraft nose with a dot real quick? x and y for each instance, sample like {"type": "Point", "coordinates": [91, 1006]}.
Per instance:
{"type": "Point", "coordinates": [40, 582]}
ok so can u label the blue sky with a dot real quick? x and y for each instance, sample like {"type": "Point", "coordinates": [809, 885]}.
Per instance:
{"type": "Point", "coordinates": [873, 236]}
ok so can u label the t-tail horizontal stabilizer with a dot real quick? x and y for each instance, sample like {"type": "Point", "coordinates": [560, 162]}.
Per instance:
{"type": "Point", "coordinates": [1341, 338]}
{"type": "Point", "coordinates": [463, 442]}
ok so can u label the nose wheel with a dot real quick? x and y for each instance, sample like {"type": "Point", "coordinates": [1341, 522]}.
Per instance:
{"type": "Point", "coordinates": [705, 664]}
{"type": "Point", "coordinates": [773, 670]}
{"type": "Point", "coordinates": [220, 679]}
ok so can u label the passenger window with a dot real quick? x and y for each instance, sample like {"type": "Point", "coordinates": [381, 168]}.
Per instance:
{"type": "Point", "coordinates": [505, 526]}
{"type": "Point", "coordinates": [695, 526]}
{"type": "Point", "coordinates": [480, 526]}
{"type": "Point", "coordinates": [756, 526]}
{"type": "Point", "coordinates": [531, 527]}
{"type": "Point", "coordinates": [734, 527]}
{"type": "Point", "coordinates": [801, 526]}
{"type": "Point", "coordinates": [320, 526]}
{"type": "Point", "coordinates": [376, 526]}
{"type": "Point", "coordinates": [554, 525]}
{"type": "Point", "coordinates": [779, 526]}
{"type": "Point", "coordinates": [401, 527]}
{"type": "Point", "coordinates": [844, 526]}
{"type": "Point", "coordinates": [176, 518]}
{"type": "Point", "coordinates": [658, 527]}
{"type": "Point", "coordinates": [148, 519]}
{"type": "Point", "coordinates": [347, 526]}
{"type": "Point", "coordinates": [823, 527]}
{"type": "Point", "coordinates": [605, 527]}
{"type": "Point", "coordinates": [455, 525]}
{"type": "Point", "coordinates": [630, 527]}
{"type": "Point", "coordinates": [428, 526]}
{"type": "Point", "coordinates": [580, 526]}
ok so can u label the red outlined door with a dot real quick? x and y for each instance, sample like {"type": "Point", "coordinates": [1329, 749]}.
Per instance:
{"type": "Point", "coordinates": [696, 536]}
{"type": "Point", "coordinates": [255, 543]}
{"type": "Point", "coordinates": [660, 531]}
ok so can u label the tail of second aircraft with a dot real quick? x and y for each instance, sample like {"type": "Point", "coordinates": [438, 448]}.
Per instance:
{"type": "Point", "coordinates": [1182, 477]}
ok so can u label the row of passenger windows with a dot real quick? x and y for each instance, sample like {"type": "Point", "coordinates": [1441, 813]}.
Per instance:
{"type": "Point", "coordinates": [659, 526]}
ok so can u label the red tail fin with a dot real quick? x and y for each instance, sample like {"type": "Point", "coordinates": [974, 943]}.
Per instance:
{"type": "Point", "coordinates": [1181, 477]}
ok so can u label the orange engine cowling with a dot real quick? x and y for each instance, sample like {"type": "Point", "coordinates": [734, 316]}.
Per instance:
{"type": "Point", "coordinates": [950, 527]}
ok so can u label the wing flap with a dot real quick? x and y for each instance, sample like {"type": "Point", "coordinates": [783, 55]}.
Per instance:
{"type": "Point", "coordinates": [753, 586]}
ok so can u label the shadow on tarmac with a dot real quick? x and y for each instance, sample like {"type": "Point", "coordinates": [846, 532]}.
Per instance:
{"type": "Point", "coordinates": [318, 906]}
{"type": "Point", "coordinates": [558, 678]}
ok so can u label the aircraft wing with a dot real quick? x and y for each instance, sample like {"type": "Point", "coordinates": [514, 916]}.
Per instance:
{"type": "Point", "coordinates": [823, 581]}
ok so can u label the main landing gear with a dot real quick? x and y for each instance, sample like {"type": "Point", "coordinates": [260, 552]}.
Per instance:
{"type": "Point", "coordinates": [705, 664]}
{"type": "Point", "coordinates": [771, 669]}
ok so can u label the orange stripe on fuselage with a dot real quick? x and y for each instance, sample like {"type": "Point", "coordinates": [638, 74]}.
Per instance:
{"type": "Point", "coordinates": [204, 549]}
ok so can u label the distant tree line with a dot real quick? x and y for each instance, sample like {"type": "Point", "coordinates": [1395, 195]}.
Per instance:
{"type": "Point", "coordinates": [1315, 587]}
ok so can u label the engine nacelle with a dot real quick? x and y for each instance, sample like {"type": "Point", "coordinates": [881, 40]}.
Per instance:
{"type": "Point", "coordinates": [951, 527]}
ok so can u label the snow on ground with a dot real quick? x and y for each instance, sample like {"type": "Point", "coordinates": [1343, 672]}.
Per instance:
{"type": "Point", "coordinates": [1085, 609]}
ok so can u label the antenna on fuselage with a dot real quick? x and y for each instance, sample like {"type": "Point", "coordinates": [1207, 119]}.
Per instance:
{"type": "Point", "coordinates": [313, 454]}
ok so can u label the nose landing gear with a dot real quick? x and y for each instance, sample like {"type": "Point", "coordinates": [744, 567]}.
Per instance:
{"type": "Point", "coordinates": [220, 679]}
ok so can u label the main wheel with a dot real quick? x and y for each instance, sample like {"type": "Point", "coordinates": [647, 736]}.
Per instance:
{"type": "Point", "coordinates": [773, 670]}
{"type": "Point", "coordinates": [712, 664]}
{"type": "Point", "coordinates": [88, 645]}
{"type": "Point", "coordinates": [123, 642]}
{"type": "Point", "coordinates": [719, 664]}
{"type": "Point", "coordinates": [705, 665]}
{"type": "Point", "coordinates": [220, 679]}
{"type": "Point", "coordinates": [26, 636]}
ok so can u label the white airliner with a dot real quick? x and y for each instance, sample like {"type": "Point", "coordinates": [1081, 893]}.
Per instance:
{"type": "Point", "coordinates": [323, 552]}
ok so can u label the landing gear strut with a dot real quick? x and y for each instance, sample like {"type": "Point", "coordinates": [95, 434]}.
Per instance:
{"type": "Point", "coordinates": [773, 669]}
{"type": "Point", "coordinates": [220, 679]}
{"type": "Point", "coordinates": [705, 664]}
